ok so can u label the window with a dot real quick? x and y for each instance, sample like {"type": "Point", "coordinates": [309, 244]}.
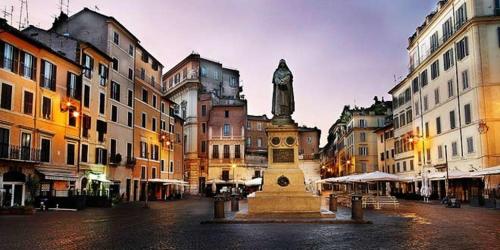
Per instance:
{"type": "Point", "coordinates": [72, 86]}
{"type": "Point", "coordinates": [130, 73]}
{"type": "Point", "coordinates": [426, 103]}
{"type": "Point", "coordinates": [153, 124]}
{"type": "Point", "coordinates": [143, 74]}
{"type": "Point", "coordinates": [144, 149]}
{"type": "Point", "coordinates": [465, 79]}
{"type": "Point", "coordinates": [237, 151]}
{"type": "Point", "coordinates": [259, 142]}
{"type": "Point", "coordinates": [203, 71]}
{"type": "Point", "coordinates": [70, 154]}
{"type": "Point", "coordinates": [227, 130]}
{"type": "Point", "coordinates": [129, 150]}
{"type": "Point", "coordinates": [259, 126]}
{"type": "Point", "coordinates": [411, 165]}
{"type": "Point", "coordinates": [438, 125]}
{"type": "Point", "coordinates": [435, 69]}
{"type": "Point", "coordinates": [363, 150]}
{"type": "Point", "coordinates": [216, 75]}
{"type": "Point", "coordinates": [28, 65]}
{"type": "Point", "coordinates": [4, 142]}
{"type": "Point", "coordinates": [409, 116]}
{"type": "Point", "coordinates": [46, 108]}
{"type": "Point", "coordinates": [451, 91]}
{"type": "Point", "coordinates": [470, 145]}
{"type": "Point", "coordinates": [10, 54]}
{"type": "Point", "coordinates": [203, 146]}
{"type": "Point", "coordinates": [153, 173]}
{"type": "Point", "coordinates": [88, 65]}
{"type": "Point", "coordinates": [6, 97]}
{"type": "Point", "coordinates": [115, 91]}
{"type": "Point", "coordinates": [447, 29]}
{"type": "Point", "coordinates": [102, 128]}
{"type": "Point", "coordinates": [71, 118]}
{"type": "Point", "coordinates": [27, 103]}
{"type": "Point", "coordinates": [467, 114]}
{"type": "Point", "coordinates": [114, 64]}
{"type": "Point", "coordinates": [249, 142]}
{"type": "Point", "coordinates": [162, 107]}
{"type": "Point", "coordinates": [116, 38]}
{"type": "Point", "coordinates": [203, 110]}
{"type": "Point", "coordinates": [163, 125]}
{"type": "Point", "coordinates": [203, 128]}
{"type": "Point", "coordinates": [402, 120]}
{"type": "Point", "coordinates": [436, 96]}
{"type": "Point", "coordinates": [215, 152]}
{"type": "Point", "coordinates": [162, 165]}
{"type": "Point", "coordinates": [131, 50]}
{"type": "Point", "coordinates": [448, 59]}
{"type": "Point", "coordinates": [462, 48]}
{"type": "Point", "coordinates": [143, 120]}
{"type": "Point", "coordinates": [454, 149]}
{"type": "Point", "coordinates": [419, 157]}
{"type": "Point", "coordinates": [424, 79]}
{"type": "Point", "coordinates": [452, 119]}
{"type": "Point", "coordinates": [461, 16]}
{"type": "Point", "coordinates": [434, 42]}
{"type": "Point", "coordinates": [154, 101]}
{"type": "Point", "coordinates": [45, 150]}
{"type": "Point", "coordinates": [404, 166]}
{"type": "Point", "coordinates": [428, 155]}
{"type": "Point", "coordinates": [101, 156]}
{"type": "Point", "coordinates": [226, 114]}
{"type": "Point", "coordinates": [114, 113]}
{"type": "Point", "coordinates": [440, 152]}
{"type": "Point", "coordinates": [48, 75]}
{"type": "Point", "coordinates": [414, 84]}
{"type": "Point", "coordinates": [85, 153]}
{"type": "Point", "coordinates": [171, 167]}
{"type": "Point", "coordinates": [362, 123]}
{"type": "Point", "coordinates": [130, 99]}
{"type": "Point", "coordinates": [144, 95]}
{"type": "Point", "coordinates": [86, 96]}
{"type": "Point", "coordinates": [427, 134]}
{"type": "Point", "coordinates": [86, 124]}
{"type": "Point", "coordinates": [102, 103]}
{"type": "Point", "coordinates": [398, 167]}
{"type": "Point", "coordinates": [417, 108]}
{"type": "Point", "coordinates": [143, 172]}
{"type": "Point", "coordinates": [155, 152]}
{"type": "Point", "coordinates": [382, 156]}
{"type": "Point", "coordinates": [232, 82]}
{"type": "Point", "coordinates": [226, 151]}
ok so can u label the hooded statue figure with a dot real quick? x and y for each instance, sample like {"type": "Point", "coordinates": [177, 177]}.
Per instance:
{"type": "Point", "coordinates": [283, 103]}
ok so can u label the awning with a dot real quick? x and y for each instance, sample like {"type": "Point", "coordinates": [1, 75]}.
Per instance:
{"type": "Point", "coordinates": [98, 177]}
{"type": "Point", "coordinates": [58, 174]}
{"type": "Point", "coordinates": [487, 171]}
{"type": "Point", "coordinates": [216, 181]}
{"type": "Point", "coordinates": [254, 182]}
{"type": "Point", "coordinates": [170, 182]}
{"type": "Point", "coordinates": [452, 174]}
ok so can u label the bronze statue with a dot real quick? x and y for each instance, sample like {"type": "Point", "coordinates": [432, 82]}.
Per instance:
{"type": "Point", "coordinates": [283, 103]}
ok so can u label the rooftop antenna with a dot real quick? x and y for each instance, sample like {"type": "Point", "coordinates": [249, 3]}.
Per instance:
{"type": "Point", "coordinates": [64, 6]}
{"type": "Point", "coordinates": [6, 13]}
{"type": "Point", "coordinates": [23, 23]}
{"type": "Point", "coordinates": [95, 7]}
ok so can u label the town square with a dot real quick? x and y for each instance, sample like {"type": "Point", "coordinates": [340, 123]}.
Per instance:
{"type": "Point", "coordinates": [250, 124]}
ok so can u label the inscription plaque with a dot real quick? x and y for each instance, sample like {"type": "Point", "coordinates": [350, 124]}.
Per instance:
{"type": "Point", "coordinates": [283, 155]}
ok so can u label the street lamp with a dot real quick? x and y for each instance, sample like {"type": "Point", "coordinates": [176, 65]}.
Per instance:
{"type": "Point", "coordinates": [146, 205]}
{"type": "Point", "coordinates": [234, 176]}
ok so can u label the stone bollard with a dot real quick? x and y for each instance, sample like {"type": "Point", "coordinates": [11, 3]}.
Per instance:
{"type": "Point", "coordinates": [357, 207]}
{"type": "Point", "coordinates": [333, 202]}
{"type": "Point", "coordinates": [218, 207]}
{"type": "Point", "coordinates": [235, 203]}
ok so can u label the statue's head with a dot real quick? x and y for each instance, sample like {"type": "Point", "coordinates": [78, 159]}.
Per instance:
{"type": "Point", "coordinates": [282, 63]}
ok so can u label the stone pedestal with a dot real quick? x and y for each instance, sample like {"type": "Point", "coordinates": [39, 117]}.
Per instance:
{"type": "Point", "coordinates": [283, 190]}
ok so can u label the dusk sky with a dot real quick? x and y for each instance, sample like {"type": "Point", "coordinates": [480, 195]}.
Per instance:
{"type": "Point", "coordinates": [339, 51]}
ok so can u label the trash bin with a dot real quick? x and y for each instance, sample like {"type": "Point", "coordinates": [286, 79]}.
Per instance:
{"type": "Point", "coordinates": [357, 207]}
{"type": "Point", "coordinates": [218, 207]}
{"type": "Point", "coordinates": [235, 203]}
{"type": "Point", "coordinates": [333, 202]}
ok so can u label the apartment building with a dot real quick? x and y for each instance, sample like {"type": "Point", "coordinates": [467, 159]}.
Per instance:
{"type": "Point", "coordinates": [39, 118]}
{"type": "Point", "coordinates": [226, 142]}
{"type": "Point", "coordinates": [454, 61]}
{"type": "Point", "coordinates": [109, 35]}
{"type": "Point", "coordinates": [309, 158]}
{"type": "Point", "coordinates": [193, 84]}
{"type": "Point", "coordinates": [385, 148]}
{"type": "Point", "coordinates": [93, 158]}
{"type": "Point", "coordinates": [256, 143]}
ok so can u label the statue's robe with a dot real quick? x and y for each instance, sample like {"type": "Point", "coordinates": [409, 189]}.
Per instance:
{"type": "Point", "coordinates": [283, 100]}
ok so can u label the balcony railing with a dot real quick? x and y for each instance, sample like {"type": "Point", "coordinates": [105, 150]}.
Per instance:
{"type": "Point", "coordinates": [19, 153]}
{"type": "Point", "coordinates": [115, 159]}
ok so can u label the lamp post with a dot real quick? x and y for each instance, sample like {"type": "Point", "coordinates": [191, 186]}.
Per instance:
{"type": "Point", "coordinates": [234, 176]}
{"type": "Point", "coordinates": [446, 159]}
{"type": "Point", "coordinates": [168, 162]}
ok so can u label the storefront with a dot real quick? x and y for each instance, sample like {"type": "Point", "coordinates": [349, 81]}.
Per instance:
{"type": "Point", "coordinates": [56, 182]}
{"type": "Point", "coordinates": [13, 189]}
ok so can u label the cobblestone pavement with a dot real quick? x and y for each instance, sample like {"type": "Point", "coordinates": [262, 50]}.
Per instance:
{"type": "Point", "coordinates": [176, 225]}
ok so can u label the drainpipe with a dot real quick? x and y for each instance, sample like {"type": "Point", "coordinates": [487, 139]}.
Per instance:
{"type": "Point", "coordinates": [458, 90]}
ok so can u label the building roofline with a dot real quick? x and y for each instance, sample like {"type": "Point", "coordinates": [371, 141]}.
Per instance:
{"type": "Point", "coordinates": [190, 57]}
{"type": "Point", "coordinates": [151, 55]}
{"type": "Point", "coordinates": [19, 34]}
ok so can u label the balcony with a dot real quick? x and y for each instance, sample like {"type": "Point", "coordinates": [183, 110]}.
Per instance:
{"type": "Point", "coordinates": [114, 159]}
{"type": "Point", "coordinates": [18, 153]}
{"type": "Point", "coordinates": [130, 162]}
